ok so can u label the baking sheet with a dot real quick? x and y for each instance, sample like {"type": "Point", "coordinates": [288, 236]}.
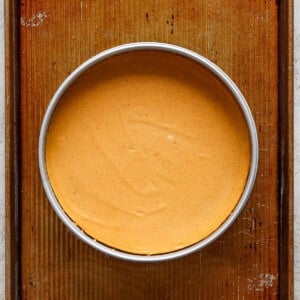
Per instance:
{"type": "Point", "coordinates": [252, 42]}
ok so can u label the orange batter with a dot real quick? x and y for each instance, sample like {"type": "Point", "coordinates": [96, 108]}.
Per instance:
{"type": "Point", "coordinates": [148, 152]}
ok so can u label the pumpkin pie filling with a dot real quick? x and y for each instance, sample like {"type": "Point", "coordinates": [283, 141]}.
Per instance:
{"type": "Point", "coordinates": [148, 152]}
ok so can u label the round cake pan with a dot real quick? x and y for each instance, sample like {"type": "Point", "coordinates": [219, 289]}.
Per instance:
{"type": "Point", "coordinates": [214, 70]}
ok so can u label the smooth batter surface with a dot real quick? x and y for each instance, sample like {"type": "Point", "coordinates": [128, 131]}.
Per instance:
{"type": "Point", "coordinates": [148, 152]}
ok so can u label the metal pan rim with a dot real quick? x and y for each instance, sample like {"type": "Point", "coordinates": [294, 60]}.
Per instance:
{"type": "Point", "coordinates": [214, 69]}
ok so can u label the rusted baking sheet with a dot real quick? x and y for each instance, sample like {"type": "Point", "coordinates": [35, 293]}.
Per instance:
{"type": "Point", "coordinates": [252, 42]}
